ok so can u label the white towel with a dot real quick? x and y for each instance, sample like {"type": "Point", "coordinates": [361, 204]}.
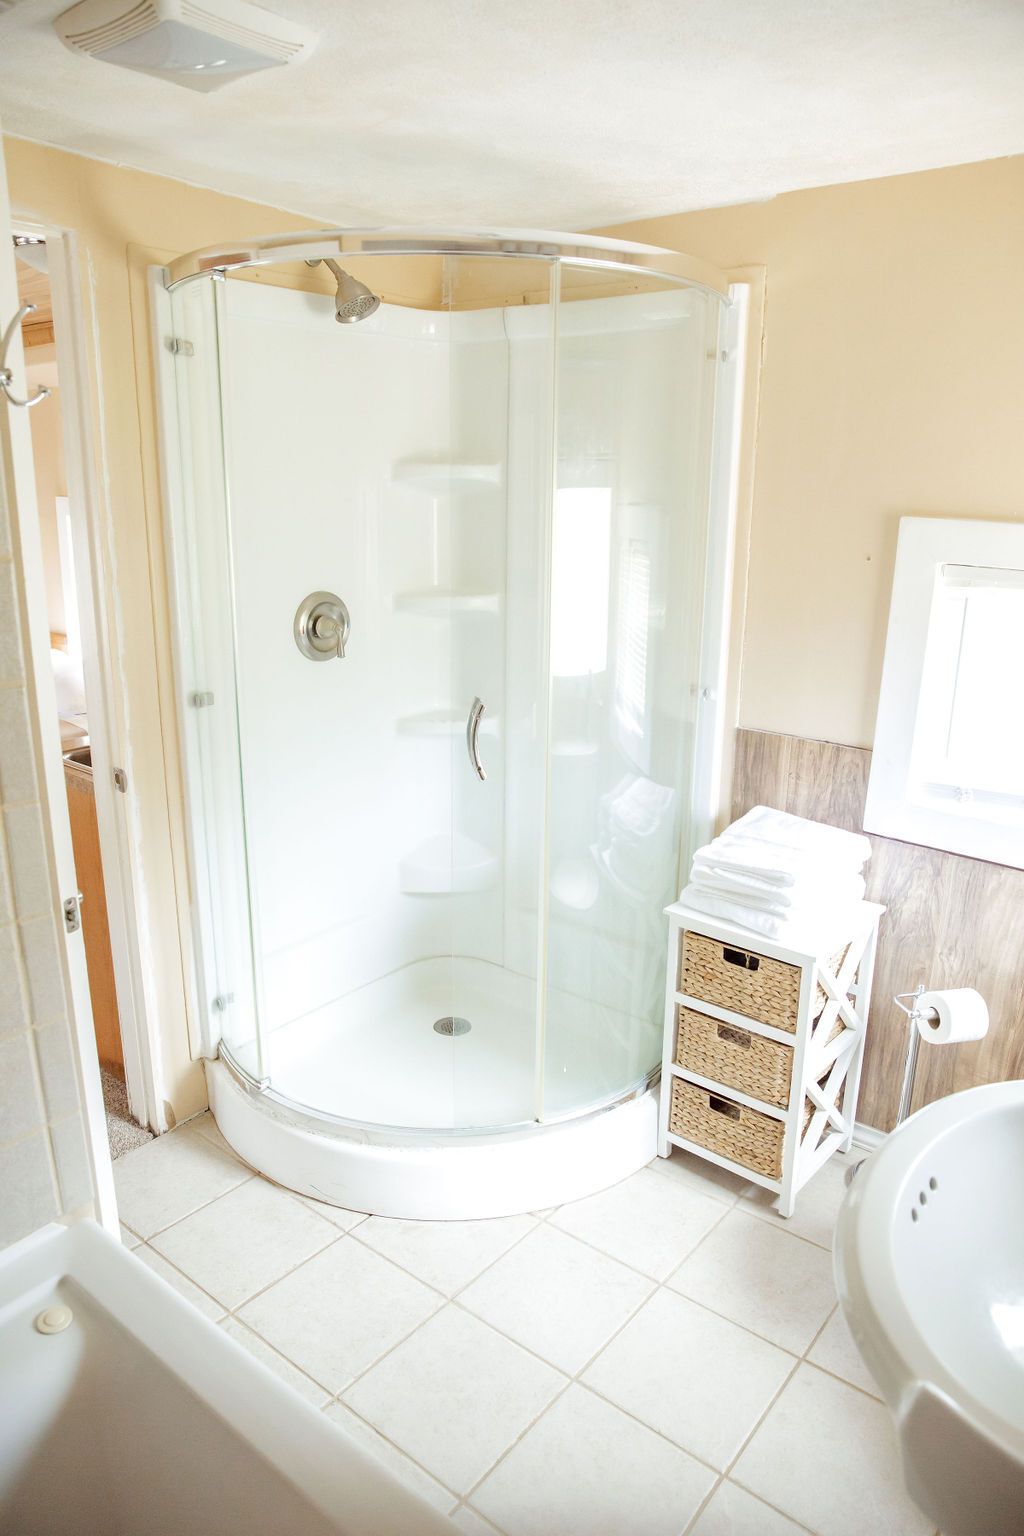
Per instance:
{"type": "Point", "coordinates": [781, 901]}
{"type": "Point", "coordinates": [794, 835]}
{"type": "Point", "coordinates": [797, 927]}
{"type": "Point", "coordinates": [746, 859]}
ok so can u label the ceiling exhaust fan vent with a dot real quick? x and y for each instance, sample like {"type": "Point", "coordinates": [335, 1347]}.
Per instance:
{"type": "Point", "coordinates": [203, 44]}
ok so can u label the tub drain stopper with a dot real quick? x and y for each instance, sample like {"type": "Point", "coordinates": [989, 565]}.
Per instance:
{"type": "Point", "coordinates": [54, 1320]}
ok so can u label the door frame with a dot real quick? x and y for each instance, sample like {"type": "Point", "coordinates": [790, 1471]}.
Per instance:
{"type": "Point", "coordinates": [731, 492]}
{"type": "Point", "coordinates": [109, 734]}
{"type": "Point", "coordinates": [18, 470]}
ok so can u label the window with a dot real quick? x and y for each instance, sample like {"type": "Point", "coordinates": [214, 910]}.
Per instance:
{"type": "Point", "coordinates": [948, 763]}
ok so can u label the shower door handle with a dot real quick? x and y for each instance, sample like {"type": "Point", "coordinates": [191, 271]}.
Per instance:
{"type": "Point", "coordinates": [472, 730]}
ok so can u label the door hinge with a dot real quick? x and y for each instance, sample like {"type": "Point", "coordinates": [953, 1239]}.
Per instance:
{"type": "Point", "coordinates": [121, 780]}
{"type": "Point", "coordinates": [73, 912]}
{"type": "Point", "coordinates": [200, 700]}
{"type": "Point", "coordinates": [180, 347]}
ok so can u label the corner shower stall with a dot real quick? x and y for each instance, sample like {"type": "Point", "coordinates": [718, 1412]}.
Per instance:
{"type": "Point", "coordinates": [439, 578]}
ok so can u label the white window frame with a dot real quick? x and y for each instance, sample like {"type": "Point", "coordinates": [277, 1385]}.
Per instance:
{"type": "Point", "coordinates": [926, 544]}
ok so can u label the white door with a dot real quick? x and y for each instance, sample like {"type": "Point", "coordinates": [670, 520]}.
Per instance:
{"type": "Point", "coordinates": [19, 492]}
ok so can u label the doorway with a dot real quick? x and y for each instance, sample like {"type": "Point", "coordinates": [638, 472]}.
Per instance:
{"type": "Point", "coordinates": [52, 349]}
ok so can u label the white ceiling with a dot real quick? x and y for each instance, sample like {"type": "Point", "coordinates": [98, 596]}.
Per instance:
{"type": "Point", "coordinates": [565, 113]}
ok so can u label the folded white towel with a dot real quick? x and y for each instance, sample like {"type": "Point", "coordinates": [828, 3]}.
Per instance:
{"type": "Point", "coordinates": [798, 927]}
{"type": "Point", "coordinates": [746, 859]}
{"type": "Point", "coordinates": [795, 835]}
{"type": "Point", "coordinates": [780, 900]}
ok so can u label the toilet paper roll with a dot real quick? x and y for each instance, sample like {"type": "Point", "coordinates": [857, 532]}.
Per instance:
{"type": "Point", "coordinates": [961, 1015]}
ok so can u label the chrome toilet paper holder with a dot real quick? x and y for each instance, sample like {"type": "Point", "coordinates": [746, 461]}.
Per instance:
{"type": "Point", "coordinates": [915, 1013]}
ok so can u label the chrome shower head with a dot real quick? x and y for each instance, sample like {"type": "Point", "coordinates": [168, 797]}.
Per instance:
{"type": "Point", "coordinates": [353, 301]}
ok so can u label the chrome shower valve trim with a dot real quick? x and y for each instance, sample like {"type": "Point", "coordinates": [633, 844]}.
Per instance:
{"type": "Point", "coordinates": [321, 627]}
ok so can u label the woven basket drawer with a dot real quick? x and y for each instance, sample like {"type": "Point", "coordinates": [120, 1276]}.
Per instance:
{"type": "Point", "coordinates": [740, 979]}
{"type": "Point", "coordinates": [736, 1058]}
{"type": "Point", "coordinates": [743, 1135]}
{"type": "Point", "coordinates": [745, 981]}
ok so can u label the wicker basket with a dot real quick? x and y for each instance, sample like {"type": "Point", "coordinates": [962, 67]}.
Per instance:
{"type": "Point", "coordinates": [733, 1131]}
{"type": "Point", "coordinates": [745, 981]}
{"type": "Point", "coordinates": [743, 1135]}
{"type": "Point", "coordinates": [736, 1058]}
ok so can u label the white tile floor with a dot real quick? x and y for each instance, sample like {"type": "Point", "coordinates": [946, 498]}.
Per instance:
{"type": "Point", "coordinates": [660, 1359]}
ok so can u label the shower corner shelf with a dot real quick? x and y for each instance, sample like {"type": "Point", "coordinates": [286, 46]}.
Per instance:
{"type": "Point", "coordinates": [439, 723]}
{"type": "Point", "coordinates": [574, 747]}
{"type": "Point", "coordinates": [444, 866]}
{"type": "Point", "coordinates": [441, 601]}
{"type": "Point", "coordinates": [444, 474]}
{"type": "Point", "coordinates": [575, 884]}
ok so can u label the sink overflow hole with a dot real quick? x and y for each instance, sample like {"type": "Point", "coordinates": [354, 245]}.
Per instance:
{"type": "Point", "coordinates": [452, 1026]}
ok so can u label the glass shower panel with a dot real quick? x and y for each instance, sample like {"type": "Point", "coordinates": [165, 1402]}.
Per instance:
{"type": "Point", "coordinates": [635, 397]}
{"type": "Point", "coordinates": [500, 319]}
{"type": "Point", "coordinates": [334, 437]}
{"type": "Point", "coordinates": [201, 569]}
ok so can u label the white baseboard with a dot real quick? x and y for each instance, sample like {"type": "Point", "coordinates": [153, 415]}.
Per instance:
{"type": "Point", "coordinates": [868, 1137]}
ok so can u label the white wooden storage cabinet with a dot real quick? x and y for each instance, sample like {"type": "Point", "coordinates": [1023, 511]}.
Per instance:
{"type": "Point", "coordinates": [763, 1046]}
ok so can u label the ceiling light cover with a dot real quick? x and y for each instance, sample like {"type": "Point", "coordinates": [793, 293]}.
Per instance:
{"type": "Point", "coordinates": [203, 44]}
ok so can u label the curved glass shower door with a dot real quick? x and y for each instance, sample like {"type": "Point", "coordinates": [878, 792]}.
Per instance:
{"type": "Point", "coordinates": [498, 510]}
{"type": "Point", "coordinates": [636, 370]}
{"type": "Point", "coordinates": [394, 933]}
{"type": "Point", "coordinates": [430, 873]}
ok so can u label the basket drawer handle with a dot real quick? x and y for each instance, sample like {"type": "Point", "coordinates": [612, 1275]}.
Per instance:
{"type": "Point", "coordinates": [734, 1036]}
{"type": "Point", "coordinates": [723, 1107]}
{"type": "Point", "coordinates": [741, 958]}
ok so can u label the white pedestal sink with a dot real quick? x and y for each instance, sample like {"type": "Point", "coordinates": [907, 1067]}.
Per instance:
{"type": "Point", "coordinates": [929, 1255]}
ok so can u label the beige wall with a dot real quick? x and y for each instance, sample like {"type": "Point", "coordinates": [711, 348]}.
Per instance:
{"type": "Point", "coordinates": [124, 221]}
{"type": "Point", "coordinates": [893, 383]}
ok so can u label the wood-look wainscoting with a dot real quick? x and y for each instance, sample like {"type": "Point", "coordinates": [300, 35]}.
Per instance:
{"type": "Point", "coordinates": [951, 922]}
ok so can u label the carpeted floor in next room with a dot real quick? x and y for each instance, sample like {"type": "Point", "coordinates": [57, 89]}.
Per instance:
{"type": "Point", "coordinates": [122, 1132]}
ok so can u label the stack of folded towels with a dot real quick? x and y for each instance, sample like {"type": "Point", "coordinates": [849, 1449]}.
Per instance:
{"type": "Point", "coordinates": [775, 873]}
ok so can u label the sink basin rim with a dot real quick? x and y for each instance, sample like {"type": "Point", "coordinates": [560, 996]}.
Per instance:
{"type": "Point", "coordinates": [872, 1298]}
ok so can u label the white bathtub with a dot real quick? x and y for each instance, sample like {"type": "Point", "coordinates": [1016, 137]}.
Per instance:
{"type": "Point", "coordinates": [143, 1416]}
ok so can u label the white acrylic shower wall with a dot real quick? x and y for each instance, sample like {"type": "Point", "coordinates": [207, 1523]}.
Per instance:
{"type": "Point", "coordinates": [348, 766]}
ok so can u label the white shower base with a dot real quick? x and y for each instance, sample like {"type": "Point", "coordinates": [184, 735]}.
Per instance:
{"type": "Point", "coordinates": [374, 1057]}
{"type": "Point", "coordinates": [369, 1108]}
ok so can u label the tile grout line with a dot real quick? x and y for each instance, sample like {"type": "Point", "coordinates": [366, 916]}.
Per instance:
{"type": "Point", "coordinates": [281, 1356]}
{"type": "Point", "coordinates": [576, 1379]}
{"type": "Point", "coordinates": [463, 1499]}
{"type": "Point", "coordinates": [571, 1379]}
{"type": "Point", "coordinates": [447, 1298]}
{"type": "Point", "coordinates": [450, 1297]}
{"type": "Point", "coordinates": [725, 1475]}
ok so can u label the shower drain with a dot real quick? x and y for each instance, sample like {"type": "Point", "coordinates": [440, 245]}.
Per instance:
{"type": "Point", "coordinates": [452, 1026]}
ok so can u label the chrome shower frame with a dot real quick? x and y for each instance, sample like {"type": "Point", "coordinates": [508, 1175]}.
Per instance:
{"type": "Point", "coordinates": [343, 244]}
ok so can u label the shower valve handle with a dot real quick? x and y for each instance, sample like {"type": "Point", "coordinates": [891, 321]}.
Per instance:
{"type": "Point", "coordinates": [327, 627]}
{"type": "Point", "coordinates": [321, 626]}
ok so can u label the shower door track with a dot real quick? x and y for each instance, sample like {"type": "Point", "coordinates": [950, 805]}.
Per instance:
{"type": "Point", "coordinates": [262, 1091]}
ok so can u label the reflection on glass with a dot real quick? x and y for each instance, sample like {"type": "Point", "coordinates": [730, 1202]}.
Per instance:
{"type": "Point", "coordinates": [579, 580]}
